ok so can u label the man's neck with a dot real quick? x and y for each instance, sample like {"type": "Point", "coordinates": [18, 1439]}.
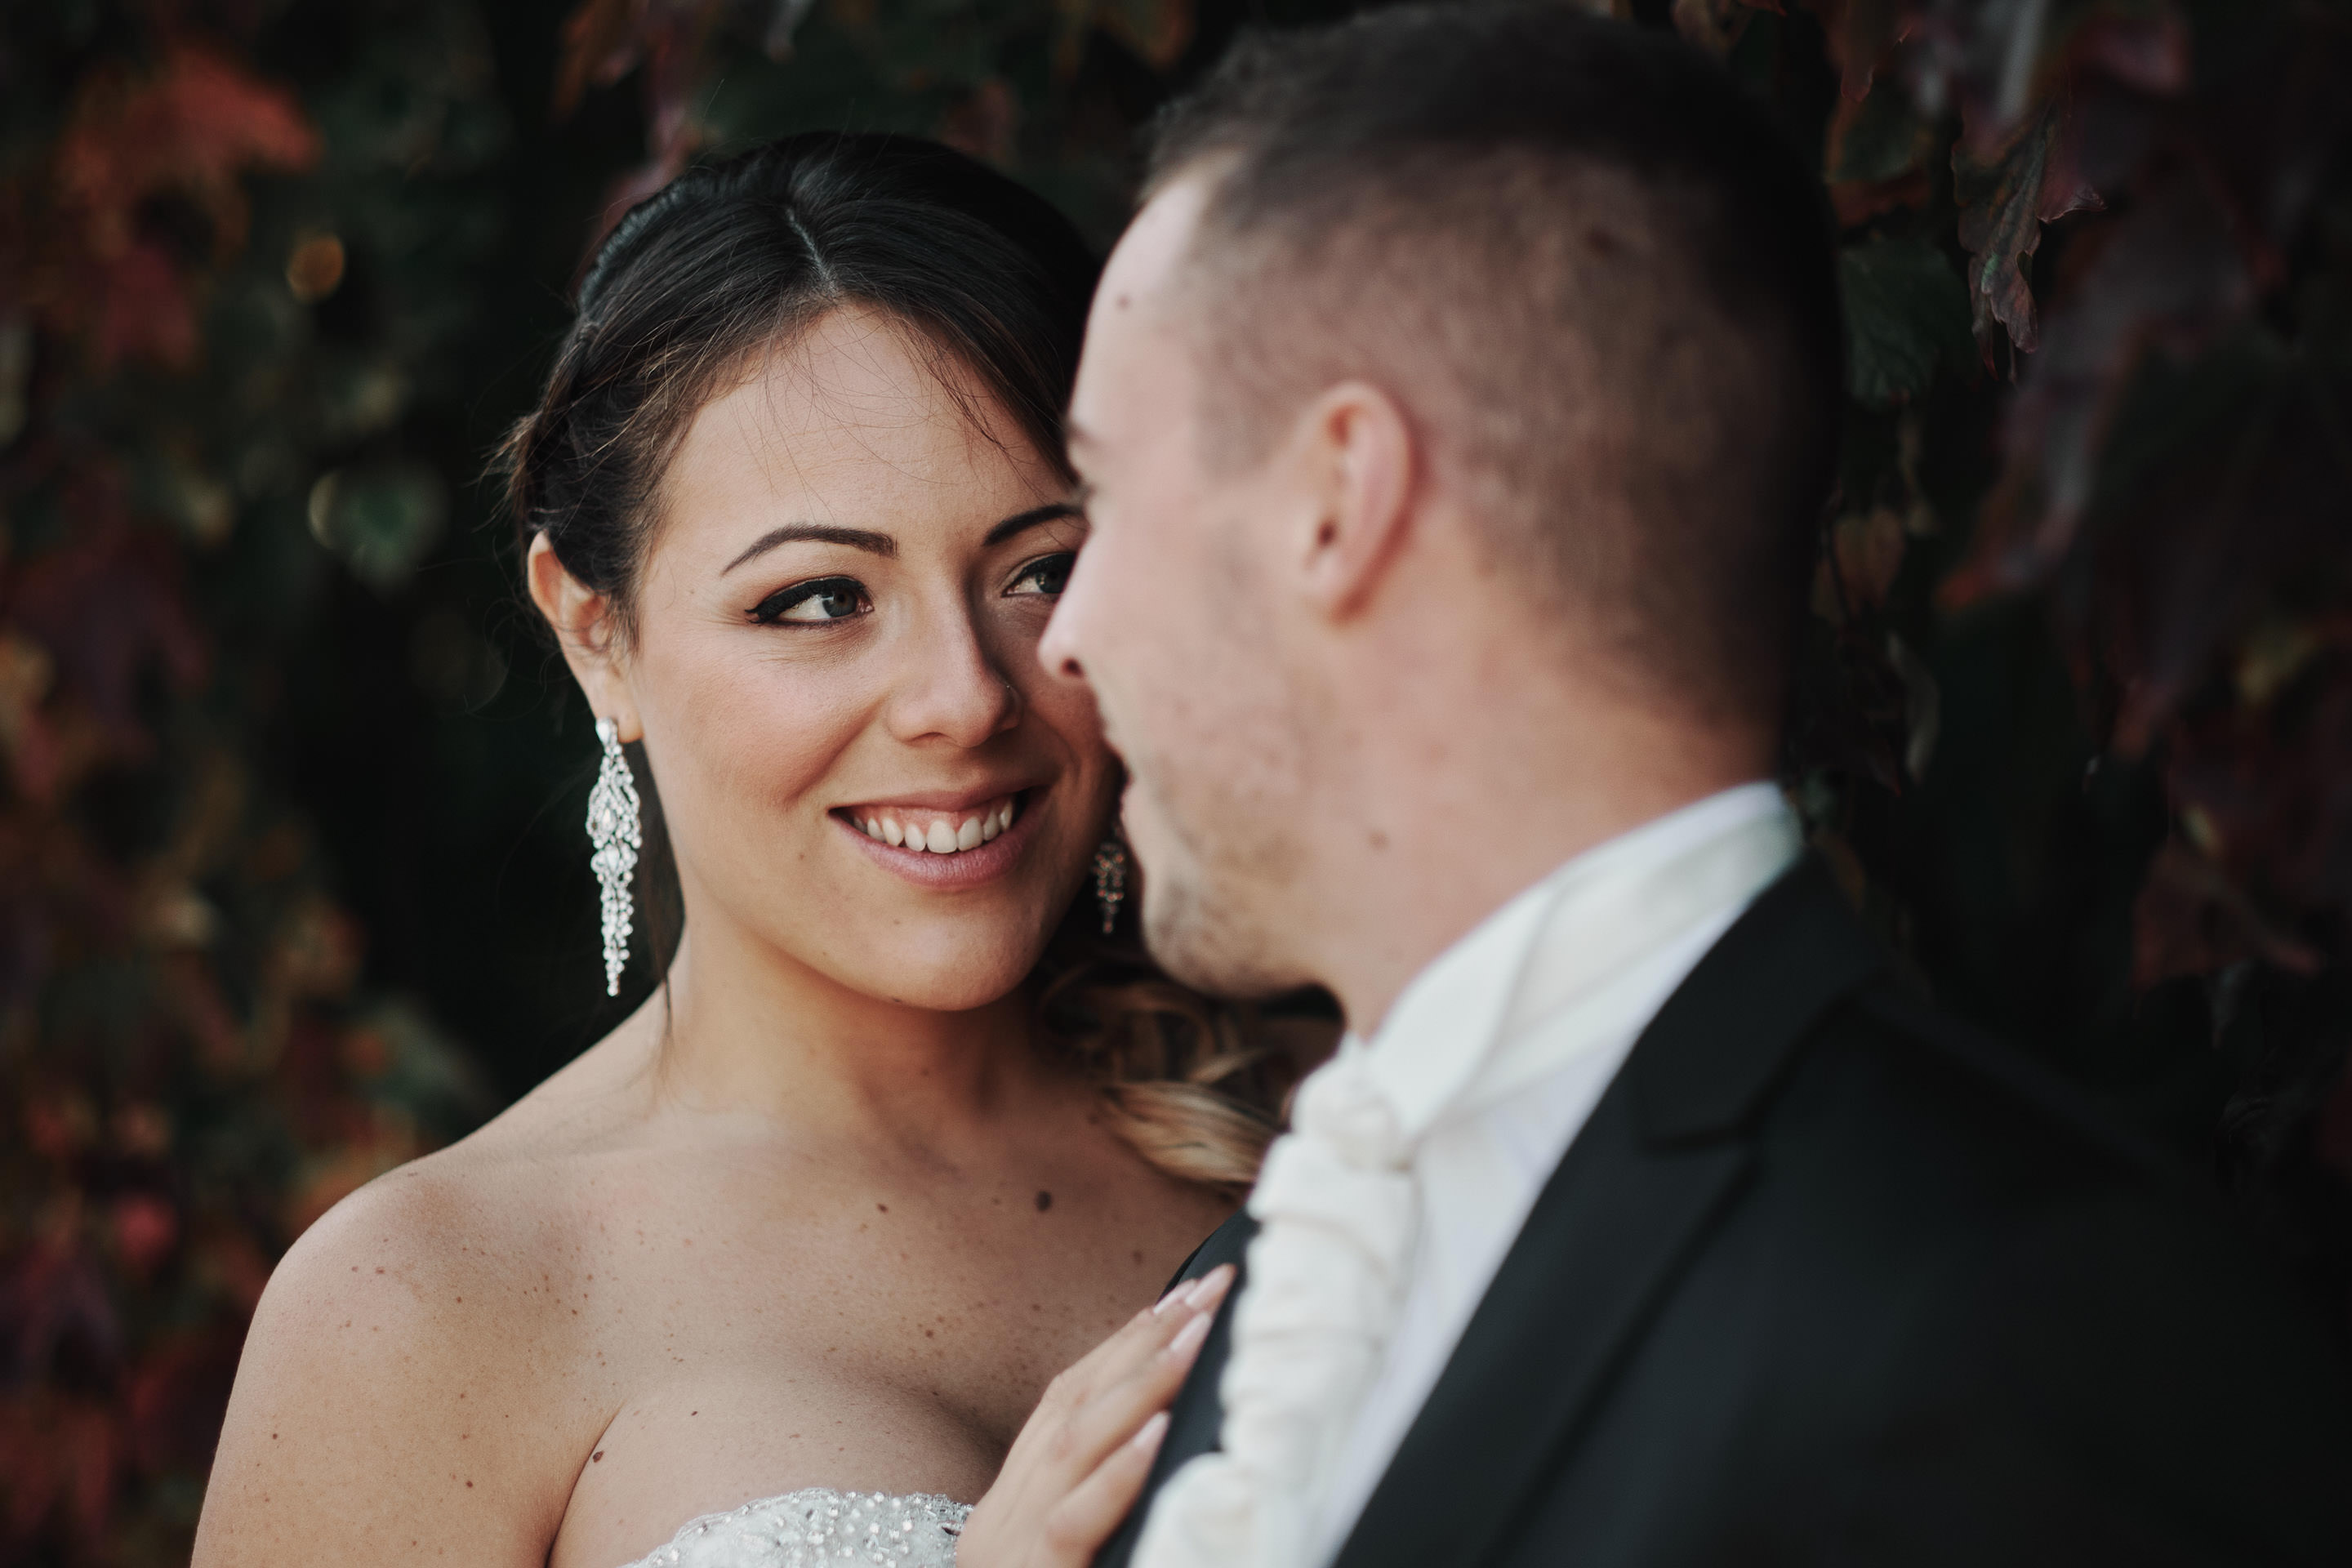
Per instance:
{"type": "Point", "coordinates": [1443, 836]}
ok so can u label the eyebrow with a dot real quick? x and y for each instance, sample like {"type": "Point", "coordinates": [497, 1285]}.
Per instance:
{"type": "Point", "coordinates": [864, 539]}
{"type": "Point", "coordinates": [1021, 521]}
{"type": "Point", "coordinates": [874, 543]}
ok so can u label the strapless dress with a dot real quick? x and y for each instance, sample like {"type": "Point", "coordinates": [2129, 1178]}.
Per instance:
{"type": "Point", "coordinates": [819, 1528]}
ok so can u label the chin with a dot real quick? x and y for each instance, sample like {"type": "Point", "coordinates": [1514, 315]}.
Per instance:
{"type": "Point", "coordinates": [948, 977]}
{"type": "Point", "coordinates": [1207, 947]}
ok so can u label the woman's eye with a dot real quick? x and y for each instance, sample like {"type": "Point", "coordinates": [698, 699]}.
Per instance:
{"type": "Point", "coordinates": [826, 599]}
{"type": "Point", "coordinates": [1048, 574]}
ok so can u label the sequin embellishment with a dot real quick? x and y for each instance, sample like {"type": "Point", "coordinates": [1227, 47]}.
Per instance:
{"type": "Point", "coordinates": [819, 1529]}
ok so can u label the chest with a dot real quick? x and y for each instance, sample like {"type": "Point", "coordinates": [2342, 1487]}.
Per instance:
{"type": "Point", "coordinates": [761, 1329]}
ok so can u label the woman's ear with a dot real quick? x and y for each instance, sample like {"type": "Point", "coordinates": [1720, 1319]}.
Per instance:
{"type": "Point", "coordinates": [588, 633]}
{"type": "Point", "coordinates": [1358, 452]}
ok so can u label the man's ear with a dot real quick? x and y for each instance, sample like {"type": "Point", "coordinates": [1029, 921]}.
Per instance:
{"type": "Point", "coordinates": [1359, 457]}
{"type": "Point", "coordinates": [588, 633]}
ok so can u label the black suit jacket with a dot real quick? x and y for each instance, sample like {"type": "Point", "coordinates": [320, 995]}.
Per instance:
{"type": "Point", "coordinates": [1826, 1278]}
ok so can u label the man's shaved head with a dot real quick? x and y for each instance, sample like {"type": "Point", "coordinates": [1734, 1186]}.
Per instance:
{"type": "Point", "coordinates": [1589, 269]}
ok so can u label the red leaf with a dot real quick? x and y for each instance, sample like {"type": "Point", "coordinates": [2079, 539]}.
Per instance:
{"type": "Point", "coordinates": [2031, 182]}
{"type": "Point", "coordinates": [600, 46]}
{"type": "Point", "coordinates": [2147, 53]}
{"type": "Point", "coordinates": [106, 605]}
{"type": "Point", "coordinates": [2167, 273]}
{"type": "Point", "coordinates": [140, 309]}
{"type": "Point", "coordinates": [984, 124]}
{"type": "Point", "coordinates": [191, 127]}
{"type": "Point", "coordinates": [1861, 35]}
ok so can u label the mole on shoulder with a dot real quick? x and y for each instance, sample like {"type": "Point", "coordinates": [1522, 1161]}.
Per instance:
{"type": "Point", "coordinates": [1044, 1202]}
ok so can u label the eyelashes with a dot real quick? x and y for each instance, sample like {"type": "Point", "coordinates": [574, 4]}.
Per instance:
{"type": "Point", "coordinates": [815, 603]}
{"type": "Point", "coordinates": [823, 601]}
{"type": "Point", "coordinates": [1051, 574]}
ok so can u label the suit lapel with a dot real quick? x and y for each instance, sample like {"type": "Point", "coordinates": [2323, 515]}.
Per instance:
{"type": "Point", "coordinates": [1664, 1151]}
{"type": "Point", "coordinates": [1195, 1418]}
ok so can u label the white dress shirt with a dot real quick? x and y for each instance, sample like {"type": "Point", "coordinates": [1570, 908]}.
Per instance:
{"type": "Point", "coordinates": [1486, 1156]}
{"type": "Point", "coordinates": [1414, 1159]}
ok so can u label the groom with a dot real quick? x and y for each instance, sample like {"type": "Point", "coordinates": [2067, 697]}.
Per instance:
{"type": "Point", "coordinates": [1455, 420]}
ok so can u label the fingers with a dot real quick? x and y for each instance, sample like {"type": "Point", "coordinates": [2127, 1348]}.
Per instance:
{"type": "Point", "coordinates": [1118, 1409]}
{"type": "Point", "coordinates": [1136, 1341]}
{"type": "Point", "coordinates": [1087, 1448]}
{"type": "Point", "coordinates": [1077, 1527]}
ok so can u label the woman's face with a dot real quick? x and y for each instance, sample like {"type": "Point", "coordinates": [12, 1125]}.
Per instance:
{"type": "Point", "coordinates": [863, 767]}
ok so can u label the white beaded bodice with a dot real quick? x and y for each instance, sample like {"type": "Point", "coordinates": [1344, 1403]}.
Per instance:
{"type": "Point", "coordinates": [819, 1528]}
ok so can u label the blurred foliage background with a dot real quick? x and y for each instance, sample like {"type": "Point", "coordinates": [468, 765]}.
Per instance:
{"type": "Point", "coordinates": [292, 884]}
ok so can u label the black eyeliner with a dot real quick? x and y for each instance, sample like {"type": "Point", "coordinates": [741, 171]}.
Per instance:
{"type": "Point", "coordinates": [769, 611]}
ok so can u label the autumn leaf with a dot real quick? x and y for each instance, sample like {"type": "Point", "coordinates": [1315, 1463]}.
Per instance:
{"type": "Point", "coordinates": [2171, 272]}
{"type": "Point", "coordinates": [984, 123]}
{"type": "Point", "coordinates": [1157, 30]}
{"type": "Point", "coordinates": [1860, 34]}
{"type": "Point", "coordinates": [1906, 314]}
{"type": "Point", "coordinates": [599, 46]}
{"type": "Point", "coordinates": [190, 130]}
{"type": "Point", "coordinates": [1877, 138]}
{"type": "Point", "coordinates": [2004, 203]}
{"type": "Point", "coordinates": [106, 606]}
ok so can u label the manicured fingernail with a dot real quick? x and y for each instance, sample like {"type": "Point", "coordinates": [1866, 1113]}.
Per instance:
{"type": "Point", "coordinates": [1153, 1430]}
{"type": "Point", "coordinates": [1182, 1293]}
{"type": "Point", "coordinates": [1188, 1338]}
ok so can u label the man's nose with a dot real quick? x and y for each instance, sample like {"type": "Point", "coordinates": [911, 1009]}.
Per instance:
{"type": "Point", "coordinates": [1058, 650]}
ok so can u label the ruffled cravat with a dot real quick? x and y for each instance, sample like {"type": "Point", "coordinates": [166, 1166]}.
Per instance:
{"type": "Point", "coordinates": [1338, 1201]}
{"type": "Point", "coordinates": [1308, 1331]}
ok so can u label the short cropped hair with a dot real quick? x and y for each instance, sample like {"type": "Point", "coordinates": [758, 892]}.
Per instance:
{"type": "Point", "coordinates": [1590, 268]}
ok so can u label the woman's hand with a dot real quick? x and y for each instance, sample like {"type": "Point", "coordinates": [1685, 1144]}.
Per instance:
{"type": "Point", "coordinates": [1077, 1465]}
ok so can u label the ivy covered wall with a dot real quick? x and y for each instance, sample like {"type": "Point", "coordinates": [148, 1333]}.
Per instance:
{"type": "Point", "coordinates": [291, 881]}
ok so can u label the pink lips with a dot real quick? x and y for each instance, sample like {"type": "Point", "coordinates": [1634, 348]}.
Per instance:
{"type": "Point", "coordinates": [952, 867]}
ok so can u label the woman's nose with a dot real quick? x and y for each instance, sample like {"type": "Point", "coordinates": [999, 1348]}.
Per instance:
{"type": "Point", "coordinates": [953, 688]}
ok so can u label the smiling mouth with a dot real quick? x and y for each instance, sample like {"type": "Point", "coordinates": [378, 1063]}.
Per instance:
{"type": "Point", "coordinates": [929, 832]}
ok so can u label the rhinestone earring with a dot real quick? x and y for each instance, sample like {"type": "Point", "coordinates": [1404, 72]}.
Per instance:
{"type": "Point", "coordinates": [614, 837]}
{"type": "Point", "coordinates": [1110, 880]}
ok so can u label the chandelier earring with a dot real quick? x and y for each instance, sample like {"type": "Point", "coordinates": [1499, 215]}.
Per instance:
{"type": "Point", "coordinates": [1110, 880]}
{"type": "Point", "coordinates": [614, 837]}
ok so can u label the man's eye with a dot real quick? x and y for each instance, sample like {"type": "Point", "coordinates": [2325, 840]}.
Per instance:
{"type": "Point", "coordinates": [1048, 574]}
{"type": "Point", "coordinates": [826, 599]}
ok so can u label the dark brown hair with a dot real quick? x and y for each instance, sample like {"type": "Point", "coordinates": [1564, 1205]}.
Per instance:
{"type": "Point", "coordinates": [1593, 270]}
{"type": "Point", "coordinates": [731, 259]}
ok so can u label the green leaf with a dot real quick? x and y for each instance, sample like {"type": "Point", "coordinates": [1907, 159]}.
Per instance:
{"type": "Point", "coordinates": [1906, 313]}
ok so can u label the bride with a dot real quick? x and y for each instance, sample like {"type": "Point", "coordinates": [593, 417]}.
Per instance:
{"type": "Point", "coordinates": [901, 1133]}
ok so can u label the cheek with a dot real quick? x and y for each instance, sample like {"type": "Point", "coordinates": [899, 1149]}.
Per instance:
{"type": "Point", "coordinates": [741, 742]}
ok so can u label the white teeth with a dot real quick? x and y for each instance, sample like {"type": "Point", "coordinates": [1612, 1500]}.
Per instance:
{"type": "Point", "coordinates": [940, 836]}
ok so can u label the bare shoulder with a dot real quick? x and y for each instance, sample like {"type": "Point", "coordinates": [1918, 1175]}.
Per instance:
{"type": "Point", "coordinates": [404, 1391]}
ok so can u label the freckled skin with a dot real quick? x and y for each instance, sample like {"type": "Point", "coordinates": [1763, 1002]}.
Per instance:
{"type": "Point", "coordinates": [828, 1219]}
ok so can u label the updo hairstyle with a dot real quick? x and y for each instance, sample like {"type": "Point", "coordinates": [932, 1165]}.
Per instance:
{"type": "Point", "coordinates": [737, 256]}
